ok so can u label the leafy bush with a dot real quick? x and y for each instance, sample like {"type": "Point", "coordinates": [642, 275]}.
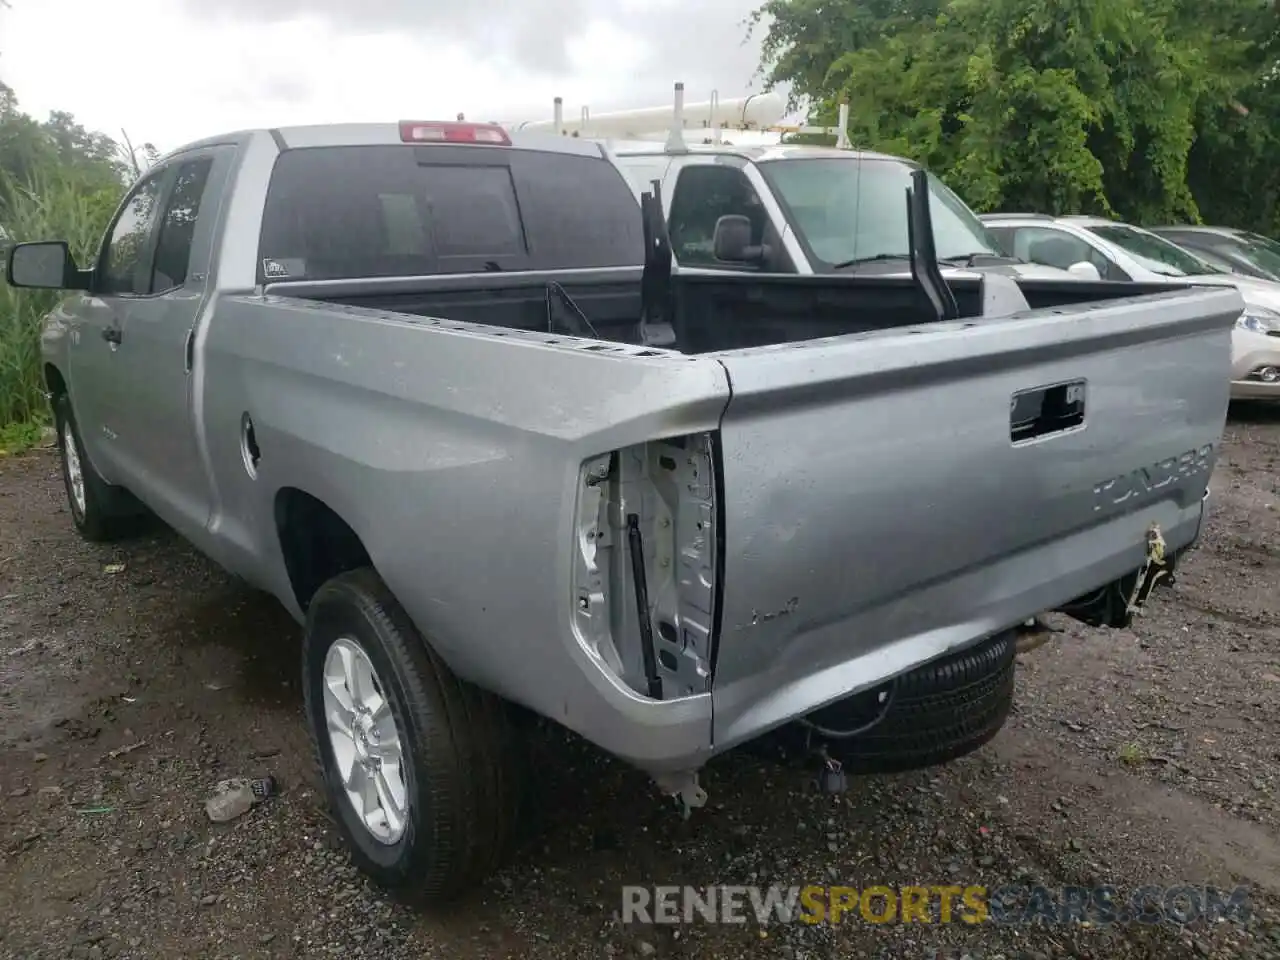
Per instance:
{"type": "Point", "coordinates": [52, 204]}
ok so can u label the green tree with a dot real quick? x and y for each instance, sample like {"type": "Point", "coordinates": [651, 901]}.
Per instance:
{"type": "Point", "coordinates": [1231, 169]}
{"type": "Point", "coordinates": [57, 180]}
{"type": "Point", "coordinates": [1131, 107]}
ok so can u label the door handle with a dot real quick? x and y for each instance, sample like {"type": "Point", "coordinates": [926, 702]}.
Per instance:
{"type": "Point", "coordinates": [1044, 411]}
{"type": "Point", "coordinates": [112, 334]}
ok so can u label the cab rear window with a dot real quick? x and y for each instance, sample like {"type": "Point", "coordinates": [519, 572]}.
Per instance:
{"type": "Point", "coordinates": [409, 210]}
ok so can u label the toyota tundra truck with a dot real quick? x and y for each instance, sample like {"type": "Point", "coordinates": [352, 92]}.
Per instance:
{"type": "Point", "coordinates": [437, 388]}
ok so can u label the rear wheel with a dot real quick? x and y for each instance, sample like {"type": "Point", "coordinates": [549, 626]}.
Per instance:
{"type": "Point", "coordinates": [418, 765]}
{"type": "Point", "coordinates": [101, 512]}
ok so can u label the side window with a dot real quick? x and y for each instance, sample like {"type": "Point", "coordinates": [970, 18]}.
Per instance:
{"type": "Point", "coordinates": [178, 228]}
{"type": "Point", "coordinates": [1054, 248]}
{"type": "Point", "coordinates": [703, 194]}
{"type": "Point", "coordinates": [125, 265]}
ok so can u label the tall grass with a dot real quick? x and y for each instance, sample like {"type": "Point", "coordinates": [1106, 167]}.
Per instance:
{"type": "Point", "coordinates": [51, 206]}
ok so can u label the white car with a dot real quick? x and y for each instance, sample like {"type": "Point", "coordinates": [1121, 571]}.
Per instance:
{"type": "Point", "coordinates": [1121, 251]}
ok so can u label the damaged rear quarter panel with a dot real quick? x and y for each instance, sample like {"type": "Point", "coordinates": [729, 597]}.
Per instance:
{"type": "Point", "coordinates": [454, 453]}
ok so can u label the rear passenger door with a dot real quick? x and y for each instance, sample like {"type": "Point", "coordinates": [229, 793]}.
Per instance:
{"type": "Point", "coordinates": [158, 432]}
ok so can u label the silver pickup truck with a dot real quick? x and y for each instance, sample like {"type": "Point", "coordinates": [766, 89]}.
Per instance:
{"type": "Point", "coordinates": [441, 394]}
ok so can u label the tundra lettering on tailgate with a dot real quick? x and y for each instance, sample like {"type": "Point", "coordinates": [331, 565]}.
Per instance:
{"type": "Point", "coordinates": [1152, 478]}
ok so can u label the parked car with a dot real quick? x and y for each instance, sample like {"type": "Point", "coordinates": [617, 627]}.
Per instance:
{"type": "Point", "coordinates": [1120, 251]}
{"type": "Point", "coordinates": [417, 382]}
{"type": "Point", "coordinates": [1236, 250]}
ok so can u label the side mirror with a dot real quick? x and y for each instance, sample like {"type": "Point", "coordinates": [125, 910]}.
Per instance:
{"type": "Point", "coordinates": [731, 241]}
{"type": "Point", "coordinates": [1084, 270]}
{"type": "Point", "coordinates": [45, 265]}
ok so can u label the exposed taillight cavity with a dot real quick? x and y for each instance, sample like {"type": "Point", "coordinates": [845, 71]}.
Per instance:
{"type": "Point", "coordinates": [644, 579]}
{"type": "Point", "coordinates": [433, 131]}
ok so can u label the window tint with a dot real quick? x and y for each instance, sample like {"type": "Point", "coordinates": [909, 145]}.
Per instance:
{"type": "Point", "coordinates": [378, 211]}
{"type": "Point", "coordinates": [406, 229]}
{"type": "Point", "coordinates": [578, 212]}
{"type": "Point", "coordinates": [703, 195]}
{"type": "Point", "coordinates": [178, 228]}
{"type": "Point", "coordinates": [473, 212]}
{"type": "Point", "coordinates": [125, 266]}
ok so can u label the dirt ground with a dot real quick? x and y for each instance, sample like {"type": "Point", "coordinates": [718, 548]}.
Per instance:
{"type": "Point", "coordinates": [134, 677]}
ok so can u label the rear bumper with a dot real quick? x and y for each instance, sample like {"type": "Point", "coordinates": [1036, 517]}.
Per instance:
{"type": "Point", "coordinates": [816, 668]}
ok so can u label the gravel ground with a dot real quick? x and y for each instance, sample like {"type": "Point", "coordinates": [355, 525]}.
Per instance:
{"type": "Point", "coordinates": [134, 677]}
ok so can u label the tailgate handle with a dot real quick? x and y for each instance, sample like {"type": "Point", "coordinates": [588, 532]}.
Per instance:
{"type": "Point", "coordinates": [1044, 411]}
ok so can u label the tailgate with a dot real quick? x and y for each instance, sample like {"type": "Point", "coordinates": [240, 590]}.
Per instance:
{"type": "Point", "coordinates": [890, 496]}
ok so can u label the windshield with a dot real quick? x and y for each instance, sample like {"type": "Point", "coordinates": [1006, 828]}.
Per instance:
{"type": "Point", "coordinates": [855, 209]}
{"type": "Point", "coordinates": [1154, 253]}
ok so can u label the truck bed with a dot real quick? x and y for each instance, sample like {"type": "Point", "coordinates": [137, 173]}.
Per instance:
{"type": "Point", "coordinates": [711, 311]}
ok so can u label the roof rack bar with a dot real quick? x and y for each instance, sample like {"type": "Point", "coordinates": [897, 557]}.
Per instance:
{"type": "Point", "coordinates": [675, 138]}
{"type": "Point", "coordinates": [842, 136]}
{"type": "Point", "coordinates": [840, 131]}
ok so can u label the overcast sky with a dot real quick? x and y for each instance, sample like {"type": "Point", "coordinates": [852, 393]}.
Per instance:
{"type": "Point", "coordinates": [169, 71]}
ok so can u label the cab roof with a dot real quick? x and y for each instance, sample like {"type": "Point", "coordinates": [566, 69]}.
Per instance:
{"type": "Point", "coordinates": [377, 134]}
{"type": "Point", "coordinates": [756, 153]}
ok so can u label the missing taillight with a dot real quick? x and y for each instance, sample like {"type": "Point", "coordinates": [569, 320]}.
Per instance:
{"type": "Point", "coordinates": [644, 586]}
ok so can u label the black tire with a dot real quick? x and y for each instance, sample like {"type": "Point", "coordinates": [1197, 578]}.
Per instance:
{"type": "Point", "coordinates": [459, 764]}
{"type": "Point", "coordinates": [109, 512]}
{"type": "Point", "coordinates": [941, 711]}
